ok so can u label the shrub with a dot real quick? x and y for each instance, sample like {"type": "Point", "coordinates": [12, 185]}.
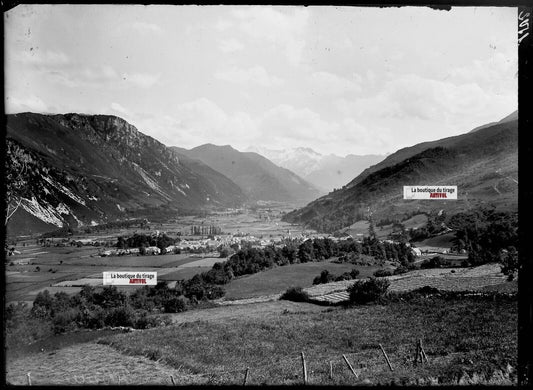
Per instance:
{"type": "Point", "coordinates": [143, 321]}
{"type": "Point", "coordinates": [224, 252]}
{"type": "Point", "coordinates": [120, 316]}
{"type": "Point", "coordinates": [22, 328]}
{"type": "Point", "coordinates": [216, 275]}
{"type": "Point", "coordinates": [95, 318]}
{"type": "Point", "coordinates": [509, 262]}
{"type": "Point", "coordinates": [109, 297]}
{"type": "Point", "coordinates": [370, 290]}
{"type": "Point", "coordinates": [382, 273]}
{"type": "Point", "coordinates": [426, 290]}
{"type": "Point", "coordinates": [140, 299]}
{"type": "Point", "coordinates": [295, 294]}
{"type": "Point", "coordinates": [434, 262]}
{"type": "Point", "coordinates": [65, 320]}
{"type": "Point", "coordinates": [400, 270]}
{"type": "Point", "coordinates": [175, 305]}
{"type": "Point", "coordinates": [42, 305]}
{"type": "Point", "coordinates": [325, 277]}
{"type": "Point", "coordinates": [214, 292]}
{"type": "Point", "coordinates": [353, 274]}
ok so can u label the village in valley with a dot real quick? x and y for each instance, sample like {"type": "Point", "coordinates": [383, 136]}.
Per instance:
{"type": "Point", "coordinates": [173, 248]}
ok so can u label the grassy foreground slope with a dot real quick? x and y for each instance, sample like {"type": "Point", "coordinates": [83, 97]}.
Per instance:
{"type": "Point", "coordinates": [462, 337]}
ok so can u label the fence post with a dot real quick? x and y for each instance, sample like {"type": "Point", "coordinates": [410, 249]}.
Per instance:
{"type": "Point", "coordinates": [29, 378]}
{"type": "Point", "coordinates": [417, 353]}
{"type": "Point", "coordinates": [350, 366]}
{"type": "Point", "coordinates": [304, 367]}
{"type": "Point", "coordinates": [330, 370]}
{"type": "Point", "coordinates": [246, 376]}
{"type": "Point", "coordinates": [386, 357]}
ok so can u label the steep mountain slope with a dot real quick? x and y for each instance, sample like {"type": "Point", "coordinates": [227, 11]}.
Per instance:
{"type": "Point", "coordinates": [324, 171]}
{"type": "Point", "coordinates": [511, 117]}
{"type": "Point", "coordinates": [86, 169]}
{"type": "Point", "coordinates": [405, 153]}
{"type": "Point", "coordinates": [257, 176]}
{"type": "Point", "coordinates": [483, 164]}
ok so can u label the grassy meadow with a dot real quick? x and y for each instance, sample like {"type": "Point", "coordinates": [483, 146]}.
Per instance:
{"type": "Point", "coordinates": [278, 279]}
{"type": "Point", "coordinates": [462, 338]}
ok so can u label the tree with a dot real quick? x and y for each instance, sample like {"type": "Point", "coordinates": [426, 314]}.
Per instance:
{"type": "Point", "coordinates": [325, 277]}
{"type": "Point", "coordinates": [121, 243]}
{"type": "Point", "coordinates": [306, 252]}
{"type": "Point", "coordinates": [368, 290]}
{"type": "Point", "coordinates": [371, 229]}
{"type": "Point", "coordinates": [224, 252]}
{"type": "Point", "coordinates": [509, 262]}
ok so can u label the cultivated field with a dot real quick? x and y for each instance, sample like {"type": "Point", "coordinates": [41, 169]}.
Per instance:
{"type": "Point", "coordinates": [68, 268]}
{"type": "Point", "coordinates": [480, 278]}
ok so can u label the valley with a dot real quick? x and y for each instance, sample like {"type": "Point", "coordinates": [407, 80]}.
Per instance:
{"type": "Point", "coordinates": [63, 266]}
{"type": "Point", "coordinates": [263, 195]}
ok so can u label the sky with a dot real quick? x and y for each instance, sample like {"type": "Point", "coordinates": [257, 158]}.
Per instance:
{"type": "Point", "coordinates": [339, 80]}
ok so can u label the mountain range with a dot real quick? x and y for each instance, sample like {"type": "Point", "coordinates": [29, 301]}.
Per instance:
{"type": "Point", "coordinates": [326, 172]}
{"type": "Point", "coordinates": [89, 169]}
{"type": "Point", "coordinates": [258, 177]}
{"type": "Point", "coordinates": [483, 163]}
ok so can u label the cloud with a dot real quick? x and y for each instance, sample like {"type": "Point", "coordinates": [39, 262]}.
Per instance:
{"type": "Point", "coordinates": [230, 45]}
{"type": "Point", "coordinates": [83, 77]}
{"type": "Point", "coordinates": [331, 84]}
{"type": "Point", "coordinates": [103, 76]}
{"type": "Point", "coordinates": [288, 126]}
{"type": "Point", "coordinates": [284, 27]}
{"type": "Point", "coordinates": [143, 80]}
{"type": "Point", "coordinates": [199, 121]}
{"type": "Point", "coordinates": [496, 73]}
{"type": "Point", "coordinates": [147, 28]}
{"type": "Point", "coordinates": [410, 97]}
{"type": "Point", "coordinates": [42, 58]}
{"type": "Point", "coordinates": [138, 29]}
{"type": "Point", "coordinates": [30, 103]}
{"type": "Point", "coordinates": [119, 108]}
{"type": "Point", "coordinates": [223, 25]}
{"type": "Point", "coordinates": [255, 75]}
